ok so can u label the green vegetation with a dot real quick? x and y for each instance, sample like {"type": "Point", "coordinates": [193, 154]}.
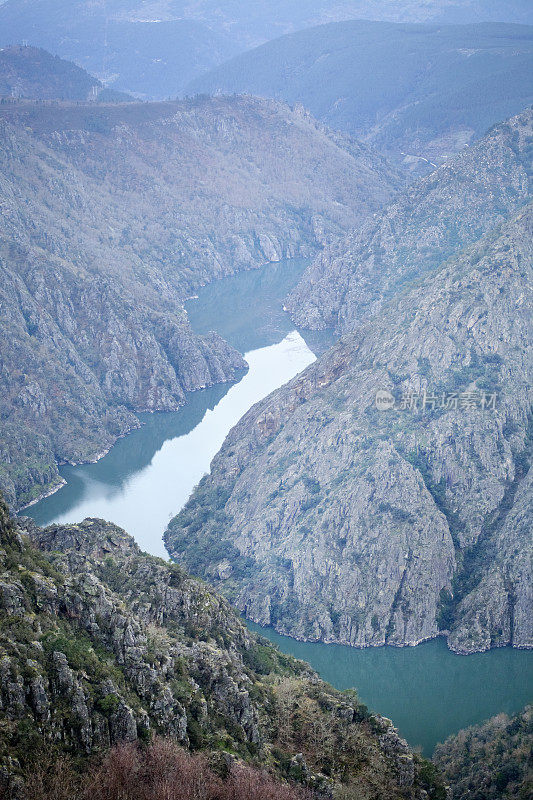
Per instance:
{"type": "Point", "coordinates": [100, 643]}
{"type": "Point", "coordinates": [491, 761]}
{"type": "Point", "coordinates": [197, 537]}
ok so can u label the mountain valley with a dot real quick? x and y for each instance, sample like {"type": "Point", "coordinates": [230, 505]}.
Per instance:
{"type": "Point", "coordinates": [152, 201]}
{"type": "Point", "coordinates": [390, 527]}
{"type": "Point", "coordinates": [280, 332]}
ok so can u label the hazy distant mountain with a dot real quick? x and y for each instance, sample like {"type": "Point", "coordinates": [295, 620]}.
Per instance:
{"type": "Point", "coordinates": [413, 89]}
{"type": "Point", "coordinates": [135, 54]}
{"type": "Point", "coordinates": [155, 47]}
{"type": "Point", "coordinates": [32, 73]}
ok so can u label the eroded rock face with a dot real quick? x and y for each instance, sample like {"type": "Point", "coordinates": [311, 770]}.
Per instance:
{"type": "Point", "coordinates": [100, 643]}
{"type": "Point", "coordinates": [343, 522]}
{"type": "Point", "coordinates": [499, 608]}
{"type": "Point", "coordinates": [111, 217]}
{"type": "Point", "coordinates": [351, 280]}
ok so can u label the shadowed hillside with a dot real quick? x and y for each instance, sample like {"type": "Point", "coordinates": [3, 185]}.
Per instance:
{"type": "Point", "coordinates": [34, 74]}
{"type": "Point", "coordinates": [420, 93]}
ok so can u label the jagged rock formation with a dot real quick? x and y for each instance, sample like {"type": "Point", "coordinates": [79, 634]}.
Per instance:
{"type": "Point", "coordinates": [333, 518]}
{"type": "Point", "coordinates": [434, 218]}
{"type": "Point", "coordinates": [100, 643]}
{"type": "Point", "coordinates": [491, 761]}
{"type": "Point", "coordinates": [33, 73]}
{"type": "Point", "coordinates": [111, 216]}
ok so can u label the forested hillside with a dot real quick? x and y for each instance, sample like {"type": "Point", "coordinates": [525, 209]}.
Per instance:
{"type": "Point", "coordinates": [34, 74]}
{"type": "Point", "coordinates": [420, 93]}
{"type": "Point", "coordinates": [490, 761]}
{"type": "Point", "coordinates": [154, 48]}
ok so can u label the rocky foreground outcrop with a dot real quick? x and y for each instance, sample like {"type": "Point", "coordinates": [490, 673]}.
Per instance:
{"type": "Point", "coordinates": [383, 495]}
{"type": "Point", "coordinates": [111, 215]}
{"type": "Point", "coordinates": [100, 643]}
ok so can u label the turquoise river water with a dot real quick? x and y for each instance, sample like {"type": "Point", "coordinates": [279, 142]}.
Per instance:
{"type": "Point", "coordinates": [147, 477]}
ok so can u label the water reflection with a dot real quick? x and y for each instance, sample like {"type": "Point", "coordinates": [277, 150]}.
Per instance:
{"type": "Point", "coordinates": [247, 309]}
{"type": "Point", "coordinates": [149, 475]}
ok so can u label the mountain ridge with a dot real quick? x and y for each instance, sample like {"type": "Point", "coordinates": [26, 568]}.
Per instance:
{"type": "Point", "coordinates": [419, 93]}
{"type": "Point", "coordinates": [34, 74]}
{"type": "Point", "coordinates": [425, 224]}
{"type": "Point", "coordinates": [112, 215]}
{"type": "Point", "coordinates": [333, 520]}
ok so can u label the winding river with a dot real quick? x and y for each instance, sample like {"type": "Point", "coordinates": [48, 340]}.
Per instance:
{"type": "Point", "coordinates": [147, 477]}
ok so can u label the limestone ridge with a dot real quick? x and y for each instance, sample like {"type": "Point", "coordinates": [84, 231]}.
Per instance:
{"type": "Point", "coordinates": [330, 519]}
{"type": "Point", "coordinates": [111, 216]}
{"type": "Point", "coordinates": [434, 218]}
{"type": "Point", "coordinates": [100, 643]}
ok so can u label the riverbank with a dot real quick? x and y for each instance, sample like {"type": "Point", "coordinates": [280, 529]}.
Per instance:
{"type": "Point", "coordinates": [428, 691]}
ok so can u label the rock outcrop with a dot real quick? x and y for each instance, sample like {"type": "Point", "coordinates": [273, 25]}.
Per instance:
{"type": "Point", "coordinates": [100, 643]}
{"type": "Point", "coordinates": [381, 497]}
{"type": "Point", "coordinates": [111, 216]}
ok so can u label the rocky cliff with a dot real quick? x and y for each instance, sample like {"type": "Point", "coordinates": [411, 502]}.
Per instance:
{"type": "Point", "coordinates": [100, 643]}
{"type": "Point", "coordinates": [111, 216]}
{"type": "Point", "coordinates": [434, 218]}
{"type": "Point", "coordinates": [382, 497]}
